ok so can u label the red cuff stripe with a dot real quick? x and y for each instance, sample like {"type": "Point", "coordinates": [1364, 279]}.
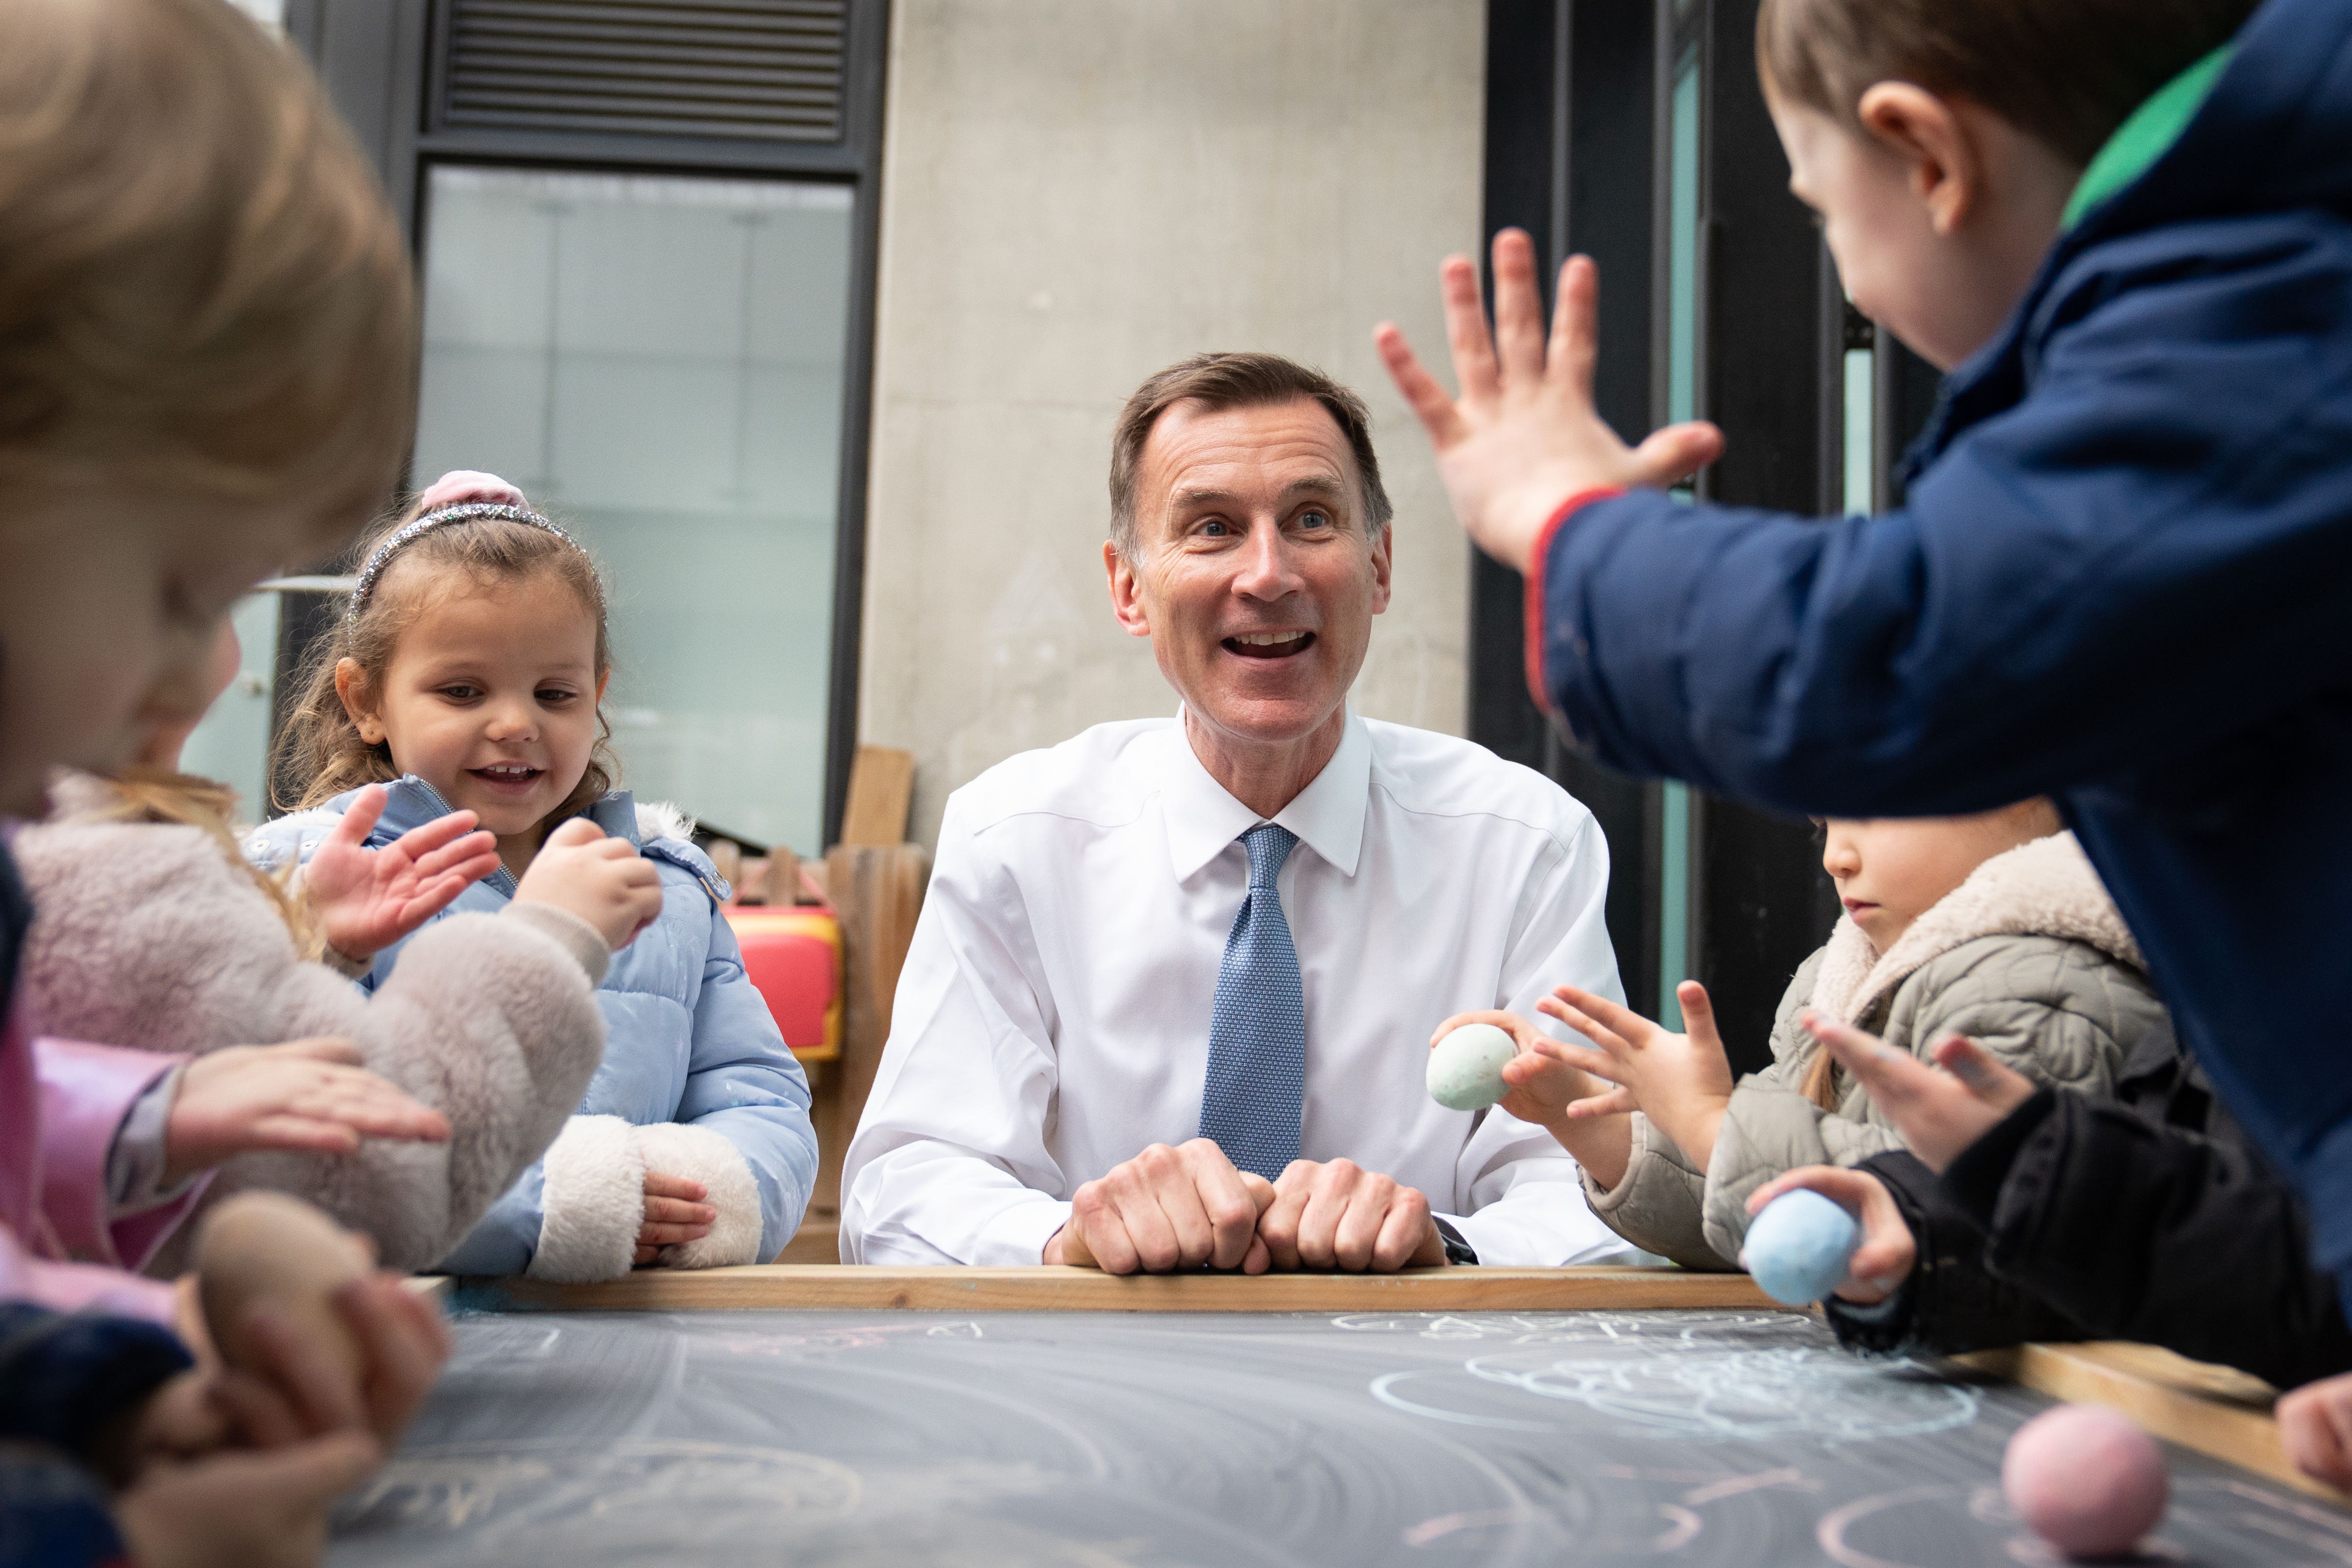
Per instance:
{"type": "Point", "coordinates": [1533, 614]}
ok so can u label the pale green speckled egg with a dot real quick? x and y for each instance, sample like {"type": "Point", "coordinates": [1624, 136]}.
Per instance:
{"type": "Point", "coordinates": [1465, 1069]}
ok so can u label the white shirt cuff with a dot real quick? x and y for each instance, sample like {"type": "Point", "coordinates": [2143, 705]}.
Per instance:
{"type": "Point", "coordinates": [1017, 1238]}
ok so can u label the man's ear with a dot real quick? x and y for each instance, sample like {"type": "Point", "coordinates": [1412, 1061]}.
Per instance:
{"type": "Point", "coordinates": [1383, 567]}
{"type": "Point", "coordinates": [1126, 591]}
{"type": "Point", "coordinates": [359, 706]}
{"type": "Point", "coordinates": [1946, 168]}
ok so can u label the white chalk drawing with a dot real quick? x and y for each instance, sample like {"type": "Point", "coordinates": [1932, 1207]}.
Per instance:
{"type": "Point", "coordinates": [1592, 1328]}
{"type": "Point", "coordinates": [862, 1336]}
{"type": "Point", "coordinates": [1747, 1376]}
{"type": "Point", "coordinates": [609, 1501]}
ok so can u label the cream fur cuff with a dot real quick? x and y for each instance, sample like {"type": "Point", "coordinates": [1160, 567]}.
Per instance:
{"type": "Point", "coordinates": [697, 1153]}
{"type": "Point", "coordinates": [594, 1202]}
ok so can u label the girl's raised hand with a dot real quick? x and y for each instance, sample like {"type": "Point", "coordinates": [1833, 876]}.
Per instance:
{"type": "Point", "coordinates": [366, 899]}
{"type": "Point", "coordinates": [602, 879]}
{"type": "Point", "coordinates": [310, 1095]}
{"type": "Point", "coordinates": [1681, 1081]}
{"type": "Point", "coordinates": [1939, 1113]}
{"type": "Point", "coordinates": [1525, 437]}
{"type": "Point", "coordinates": [1888, 1252]}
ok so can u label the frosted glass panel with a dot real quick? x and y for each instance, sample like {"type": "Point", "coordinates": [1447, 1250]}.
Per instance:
{"type": "Point", "coordinates": [659, 364]}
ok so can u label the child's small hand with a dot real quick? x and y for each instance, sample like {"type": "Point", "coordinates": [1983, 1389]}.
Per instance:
{"type": "Point", "coordinates": [675, 1215]}
{"type": "Point", "coordinates": [1546, 1087]}
{"type": "Point", "coordinates": [1888, 1251]}
{"type": "Point", "coordinates": [236, 1509]}
{"type": "Point", "coordinates": [602, 880]}
{"type": "Point", "coordinates": [1939, 1113]}
{"type": "Point", "coordinates": [307, 1094]}
{"type": "Point", "coordinates": [2315, 1425]}
{"type": "Point", "coordinates": [1681, 1081]}
{"type": "Point", "coordinates": [366, 899]}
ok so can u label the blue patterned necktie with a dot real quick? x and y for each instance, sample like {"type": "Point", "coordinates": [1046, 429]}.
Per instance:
{"type": "Point", "coordinates": [1257, 1036]}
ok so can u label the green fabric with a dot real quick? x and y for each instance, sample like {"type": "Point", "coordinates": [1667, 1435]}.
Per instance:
{"type": "Point", "coordinates": [2145, 137]}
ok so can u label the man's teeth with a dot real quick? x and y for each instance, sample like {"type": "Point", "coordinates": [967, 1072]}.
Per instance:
{"type": "Point", "coordinates": [1267, 639]}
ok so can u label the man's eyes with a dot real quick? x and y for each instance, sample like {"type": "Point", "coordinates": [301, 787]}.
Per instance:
{"type": "Point", "coordinates": [1313, 519]}
{"type": "Point", "coordinates": [1217, 528]}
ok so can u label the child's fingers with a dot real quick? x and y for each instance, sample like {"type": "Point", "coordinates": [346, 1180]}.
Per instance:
{"type": "Point", "coordinates": [433, 836]}
{"type": "Point", "coordinates": [1616, 1102]}
{"type": "Point", "coordinates": [659, 1183]}
{"type": "Point", "coordinates": [1600, 1038]}
{"type": "Point", "coordinates": [677, 1211]}
{"type": "Point", "coordinates": [1985, 1075]}
{"type": "Point", "coordinates": [1844, 1188]}
{"type": "Point", "coordinates": [1699, 1013]}
{"type": "Point", "coordinates": [257, 1413]}
{"type": "Point", "coordinates": [300, 1134]}
{"type": "Point", "coordinates": [358, 819]}
{"type": "Point", "coordinates": [323, 1395]}
{"type": "Point", "coordinates": [1420, 388]}
{"type": "Point", "coordinates": [304, 1478]}
{"type": "Point", "coordinates": [651, 1235]}
{"type": "Point", "coordinates": [577, 832]}
{"type": "Point", "coordinates": [403, 1351]}
{"type": "Point", "coordinates": [459, 851]}
{"type": "Point", "coordinates": [644, 1256]}
{"type": "Point", "coordinates": [1614, 1017]}
{"type": "Point", "coordinates": [1466, 332]}
{"type": "Point", "coordinates": [1583, 1056]}
{"type": "Point", "coordinates": [1518, 310]}
{"type": "Point", "coordinates": [320, 1048]}
{"type": "Point", "coordinates": [1667, 457]}
{"type": "Point", "coordinates": [1884, 1071]}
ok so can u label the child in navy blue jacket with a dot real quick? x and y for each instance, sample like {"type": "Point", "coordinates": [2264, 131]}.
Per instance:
{"type": "Point", "coordinates": [2123, 575]}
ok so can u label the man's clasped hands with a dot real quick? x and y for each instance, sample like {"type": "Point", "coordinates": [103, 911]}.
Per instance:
{"type": "Point", "coordinates": [1188, 1207]}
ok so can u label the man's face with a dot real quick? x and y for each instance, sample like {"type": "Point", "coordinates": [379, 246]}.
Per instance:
{"type": "Point", "coordinates": [1255, 574]}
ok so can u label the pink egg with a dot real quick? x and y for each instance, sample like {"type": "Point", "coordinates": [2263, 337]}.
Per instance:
{"type": "Point", "coordinates": [2086, 1480]}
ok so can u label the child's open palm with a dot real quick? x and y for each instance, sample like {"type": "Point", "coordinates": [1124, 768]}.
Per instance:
{"type": "Point", "coordinates": [309, 1095]}
{"type": "Point", "coordinates": [366, 899]}
{"type": "Point", "coordinates": [1681, 1081]}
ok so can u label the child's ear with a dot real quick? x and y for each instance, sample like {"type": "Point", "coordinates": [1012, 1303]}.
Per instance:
{"type": "Point", "coordinates": [1937, 144]}
{"type": "Point", "coordinates": [359, 702]}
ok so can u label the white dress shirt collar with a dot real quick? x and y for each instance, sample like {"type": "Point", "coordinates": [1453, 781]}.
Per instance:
{"type": "Point", "coordinates": [1327, 815]}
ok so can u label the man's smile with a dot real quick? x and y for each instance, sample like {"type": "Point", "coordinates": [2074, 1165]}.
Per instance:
{"type": "Point", "coordinates": [1268, 644]}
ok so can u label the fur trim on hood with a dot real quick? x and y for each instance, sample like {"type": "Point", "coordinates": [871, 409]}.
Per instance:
{"type": "Point", "coordinates": [660, 820]}
{"type": "Point", "coordinates": [2046, 888]}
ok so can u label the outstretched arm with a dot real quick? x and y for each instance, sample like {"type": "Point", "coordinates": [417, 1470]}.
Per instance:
{"type": "Point", "coordinates": [366, 899]}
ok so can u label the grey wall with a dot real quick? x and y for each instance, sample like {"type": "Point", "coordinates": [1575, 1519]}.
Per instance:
{"type": "Point", "coordinates": [1076, 192]}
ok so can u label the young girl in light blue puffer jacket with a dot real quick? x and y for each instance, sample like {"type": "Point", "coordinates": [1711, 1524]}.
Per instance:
{"type": "Point", "coordinates": [467, 674]}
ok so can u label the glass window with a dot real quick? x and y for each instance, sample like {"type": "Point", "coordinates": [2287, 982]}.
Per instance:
{"type": "Point", "coordinates": [659, 362]}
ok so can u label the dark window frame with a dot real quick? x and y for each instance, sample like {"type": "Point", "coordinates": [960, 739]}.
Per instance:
{"type": "Point", "coordinates": [384, 64]}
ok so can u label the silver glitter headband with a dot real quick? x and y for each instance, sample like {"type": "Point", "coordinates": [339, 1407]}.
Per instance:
{"type": "Point", "coordinates": [443, 518]}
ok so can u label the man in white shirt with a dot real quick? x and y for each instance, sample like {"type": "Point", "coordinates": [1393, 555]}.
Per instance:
{"type": "Point", "coordinates": [1169, 1000]}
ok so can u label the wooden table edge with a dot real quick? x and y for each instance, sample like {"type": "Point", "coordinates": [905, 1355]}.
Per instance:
{"type": "Point", "coordinates": [1059, 1290]}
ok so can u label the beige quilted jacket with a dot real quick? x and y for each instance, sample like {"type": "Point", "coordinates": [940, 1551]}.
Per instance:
{"type": "Point", "coordinates": [2028, 957]}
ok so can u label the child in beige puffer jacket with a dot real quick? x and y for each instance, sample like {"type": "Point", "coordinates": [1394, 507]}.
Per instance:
{"type": "Point", "coordinates": [1991, 926]}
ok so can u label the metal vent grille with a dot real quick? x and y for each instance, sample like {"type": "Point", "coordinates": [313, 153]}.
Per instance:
{"type": "Point", "coordinates": [768, 70]}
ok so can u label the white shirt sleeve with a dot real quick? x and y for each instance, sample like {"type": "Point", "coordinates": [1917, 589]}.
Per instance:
{"type": "Point", "coordinates": [1528, 1202]}
{"type": "Point", "coordinates": [949, 1163]}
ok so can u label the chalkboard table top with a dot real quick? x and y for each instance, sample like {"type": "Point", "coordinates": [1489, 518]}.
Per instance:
{"type": "Point", "coordinates": [1046, 1437]}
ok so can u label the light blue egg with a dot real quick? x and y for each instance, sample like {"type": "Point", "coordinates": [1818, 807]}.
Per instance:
{"type": "Point", "coordinates": [1798, 1249]}
{"type": "Point", "coordinates": [1465, 1070]}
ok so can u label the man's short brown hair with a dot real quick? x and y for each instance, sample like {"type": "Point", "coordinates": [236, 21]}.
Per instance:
{"type": "Point", "coordinates": [2065, 72]}
{"type": "Point", "coordinates": [1237, 380]}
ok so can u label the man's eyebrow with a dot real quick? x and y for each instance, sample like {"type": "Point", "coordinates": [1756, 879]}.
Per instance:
{"type": "Point", "coordinates": [1324, 486]}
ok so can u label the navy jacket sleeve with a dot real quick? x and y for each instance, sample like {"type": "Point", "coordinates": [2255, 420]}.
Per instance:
{"type": "Point", "coordinates": [2142, 1231]}
{"type": "Point", "coordinates": [66, 1376]}
{"type": "Point", "coordinates": [2147, 532]}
